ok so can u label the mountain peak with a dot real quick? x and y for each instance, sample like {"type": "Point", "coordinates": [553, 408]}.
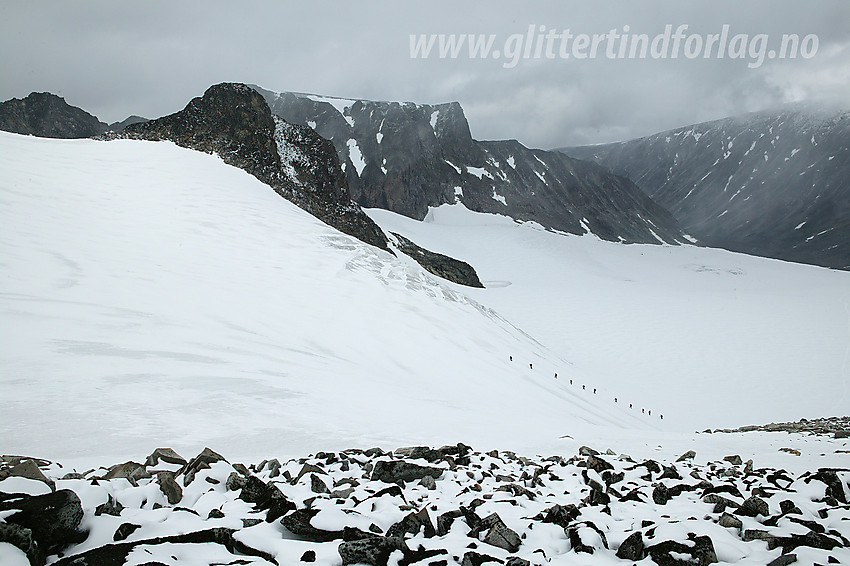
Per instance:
{"type": "Point", "coordinates": [229, 119]}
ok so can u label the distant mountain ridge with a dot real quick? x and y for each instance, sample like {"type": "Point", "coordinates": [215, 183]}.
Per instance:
{"type": "Point", "coordinates": [407, 157]}
{"type": "Point", "coordinates": [47, 115]}
{"type": "Point", "coordinates": [773, 184]}
{"type": "Point", "coordinates": [119, 126]}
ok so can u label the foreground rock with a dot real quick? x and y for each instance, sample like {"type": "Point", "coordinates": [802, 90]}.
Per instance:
{"type": "Point", "coordinates": [435, 507]}
{"type": "Point", "coordinates": [41, 525]}
{"type": "Point", "coordinates": [837, 427]}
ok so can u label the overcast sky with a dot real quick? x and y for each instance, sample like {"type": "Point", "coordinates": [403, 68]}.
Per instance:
{"type": "Point", "coordinates": [150, 58]}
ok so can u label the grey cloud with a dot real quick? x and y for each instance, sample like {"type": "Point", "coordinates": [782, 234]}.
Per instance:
{"type": "Point", "coordinates": [116, 59]}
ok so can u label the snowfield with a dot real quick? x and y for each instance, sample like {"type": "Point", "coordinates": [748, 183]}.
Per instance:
{"type": "Point", "coordinates": [153, 296]}
{"type": "Point", "coordinates": [706, 337]}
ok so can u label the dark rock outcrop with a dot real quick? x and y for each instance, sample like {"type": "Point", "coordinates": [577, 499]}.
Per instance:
{"type": "Point", "coordinates": [501, 536]}
{"type": "Point", "coordinates": [24, 467]}
{"type": "Point", "coordinates": [632, 548]}
{"type": "Point", "coordinates": [668, 553]}
{"type": "Point", "coordinates": [476, 559]}
{"type": "Point", "coordinates": [440, 265]}
{"type": "Point", "coordinates": [200, 462]}
{"type": "Point", "coordinates": [21, 538]}
{"type": "Point", "coordinates": [48, 116]}
{"type": "Point", "coordinates": [124, 530]}
{"type": "Point", "coordinates": [373, 550]}
{"type": "Point", "coordinates": [561, 515]}
{"type": "Point", "coordinates": [298, 523]}
{"type": "Point", "coordinates": [166, 455]}
{"type": "Point", "coordinates": [170, 488]}
{"type": "Point", "coordinates": [392, 471]}
{"type": "Point", "coordinates": [234, 122]}
{"type": "Point", "coordinates": [116, 554]}
{"type": "Point", "coordinates": [753, 507]}
{"type": "Point", "coordinates": [47, 524]}
{"type": "Point", "coordinates": [413, 523]}
{"type": "Point", "coordinates": [266, 496]}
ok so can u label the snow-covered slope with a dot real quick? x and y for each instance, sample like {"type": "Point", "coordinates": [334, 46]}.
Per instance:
{"type": "Point", "coordinates": [152, 294]}
{"type": "Point", "coordinates": [706, 337]}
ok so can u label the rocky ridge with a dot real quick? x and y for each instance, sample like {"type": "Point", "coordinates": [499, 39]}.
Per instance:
{"type": "Point", "coordinates": [234, 122]}
{"type": "Point", "coordinates": [837, 427]}
{"type": "Point", "coordinates": [421, 505]}
{"type": "Point", "coordinates": [407, 157]}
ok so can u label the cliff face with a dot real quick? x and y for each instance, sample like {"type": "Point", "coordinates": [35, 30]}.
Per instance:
{"type": "Point", "coordinates": [407, 157]}
{"type": "Point", "coordinates": [46, 115]}
{"type": "Point", "coordinates": [234, 122]}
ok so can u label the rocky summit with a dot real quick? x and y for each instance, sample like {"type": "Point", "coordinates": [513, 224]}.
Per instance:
{"type": "Point", "coordinates": [46, 115]}
{"type": "Point", "coordinates": [234, 122]}
{"type": "Point", "coordinates": [407, 157]}
{"type": "Point", "coordinates": [422, 505]}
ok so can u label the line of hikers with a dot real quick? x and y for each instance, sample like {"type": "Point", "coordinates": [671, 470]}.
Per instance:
{"type": "Point", "coordinates": [584, 388]}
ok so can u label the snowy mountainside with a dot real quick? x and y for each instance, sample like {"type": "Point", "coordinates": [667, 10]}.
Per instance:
{"type": "Point", "coordinates": [702, 336]}
{"type": "Point", "coordinates": [774, 184]}
{"type": "Point", "coordinates": [406, 157]}
{"type": "Point", "coordinates": [154, 294]}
